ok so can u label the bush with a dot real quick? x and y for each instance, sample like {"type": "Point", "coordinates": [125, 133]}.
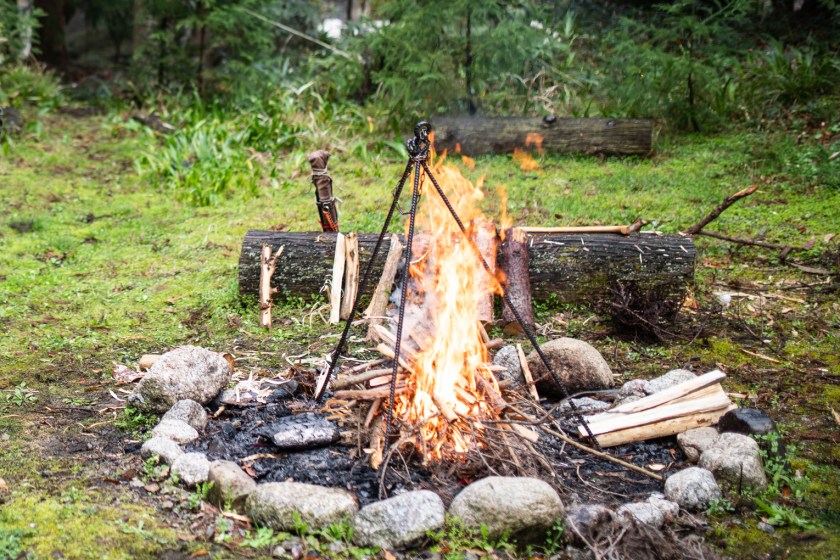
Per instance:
{"type": "Point", "coordinates": [29, 85]}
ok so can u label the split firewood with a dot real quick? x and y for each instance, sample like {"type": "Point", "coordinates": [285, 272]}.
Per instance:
{"type": "Point", "coordinates": [379, 300]}
{"type": "Point", "coordinates": [494, 343]}
{"type": "Point", "coordinates": [372, 412]}
{"type": "Point", "coordinates": [268, 264]}
{"type": "Point", "coordinates": [514, 262]}
{"type": "Point", "coordinates": [337, 276]}
{"type": "Point", "coordinates": [692, 404]}
{"type": "Point", "coordinates": [351, 274]}
{"type": "Point", "coordinates": [486, 239]}
{"type": "Point", "coordinates": [376, 446]}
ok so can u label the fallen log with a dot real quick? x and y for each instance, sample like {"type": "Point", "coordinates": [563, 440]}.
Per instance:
{"type": "Point", "coordinates": [565, 268]}
{"type": "Point", "coordinates": [501, 135]}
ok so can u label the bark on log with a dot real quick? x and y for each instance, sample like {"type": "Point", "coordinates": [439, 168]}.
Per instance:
{"type": "Point", "coordinates": [479, 135]}
{"type": "Point", "coordinates": [513, 260]}
{"type": "Point", "coordinates": [566, 268]}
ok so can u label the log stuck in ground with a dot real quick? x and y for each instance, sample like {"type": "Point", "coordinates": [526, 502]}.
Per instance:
{"type": "Point", "coordinates": [563, 268]}
{"type": "Point", "coordinates": [501, 135]}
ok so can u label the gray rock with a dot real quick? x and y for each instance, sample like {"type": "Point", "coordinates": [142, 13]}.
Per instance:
{"type": "Point", "coordinates": [766, 527]}
{"type": "Point", "coordinates": [284, 391]}
{"type": "Point", "coordinates": [176, 430]}
{"type": "Point", "coordinates": [163, 447]}
{"type": "Point", "coordinates": [694, 442]}
{"type": "Point", "coordinates": [188, 411]}
{"type": "Point", "coordinates": [508, 358]}
{"type": "Point", "coordinates": [584, 405]}
{"type": "Point", "coordinates": [304, 431]}
{"type": "Point", "coordinates": [673, 377]}
{"type": "Point", "coordinates": [274, 504]}
{"type": "Point", "coordinates": [189, 372]}
{"type": "Point", "coordinates": [524, 507]}
{"type": "Point", "coordinates": [643, 512]}
{"type": "Point", "coordinates": [191, 468]}
{"type": "Point", "coordinates": [692, 488]}
{"type": "Point", "coordinates": [633, 388]}
{"type": "Point", "coordinates": [578, 365]}
{"type": "Point", "coordinates": [400, 521]}
{"type": "Point", "coordinates": [735, 461]}
{"type": "Point", "coordinates": [670, 510]}
{"type": "Point", "coordinates": [587, 522]}
{"type": "Point", "coordinates": [231, 485]}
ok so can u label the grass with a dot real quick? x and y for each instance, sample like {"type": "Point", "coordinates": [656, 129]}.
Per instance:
{"type": "Point", "coordinates": [98, 265]}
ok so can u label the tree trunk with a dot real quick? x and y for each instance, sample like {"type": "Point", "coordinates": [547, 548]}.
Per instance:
{"type": "Point", "coordinates": [563, 268]}
{"type": "Point", "coordinates": [25, 8]}
{"type": "Point", "coordinates": [485, 135]}
{"type": "Point", "coordinates": [51, 32]}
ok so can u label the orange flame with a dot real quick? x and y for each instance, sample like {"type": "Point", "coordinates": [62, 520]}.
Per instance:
{"type": "Point", "coordinates": [526, 162]}
{"type": "Point", "coordinates": [536, 139]}
{"type": "Point", "coordinates": [447, 282]}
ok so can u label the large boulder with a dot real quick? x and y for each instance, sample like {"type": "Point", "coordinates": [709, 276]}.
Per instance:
{"type": "Point", "coordinates": [523, 507]}
{"type": "Point", "coordinates": [735, 460]}
{"type": "Point", "coordinates": [578, 365]}
{"type": "Point", "coordinates": [274, 504]}
{"type": "Point", "coordinates": [693, 489]}
{"type": "Point", "coordinates": [400, 521]}
{"type": "Point", "coordinates": [231, 485]}
{"type": "Point", "coordinates": [189, 372]}
{"type": "Point", "coordinates": [694, 442]}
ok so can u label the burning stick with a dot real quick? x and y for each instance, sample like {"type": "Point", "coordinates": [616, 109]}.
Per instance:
{"type": "Point", "coordinates": [514, 262]}
{"type": "Point", "coordinates": [268, 264]}
{"type": "Point", "coordinates": [486, 239]}
{"type": "Point", "coordinates": [349, 381]}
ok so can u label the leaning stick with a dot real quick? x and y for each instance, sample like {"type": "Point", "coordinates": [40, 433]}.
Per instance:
{"type": "Point", "coordinates": [729, 201]}
{"type": "Point", "coordinates": [268, 264]}
{"type": "Point", "coordinates": [623, 230]}
{"type": "Point", "coordinates": [526, 373]}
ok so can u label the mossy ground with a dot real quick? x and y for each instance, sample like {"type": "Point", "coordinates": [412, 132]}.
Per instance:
{"type": "Point", "coordinates": [99, 266]}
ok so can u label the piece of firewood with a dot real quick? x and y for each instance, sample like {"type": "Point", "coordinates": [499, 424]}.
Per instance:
{"type": "Point", "coordinates": [376, 446]}
{"type": "Point", "coordinates": [526, 373]}
{"type": "Point", "coordinates": [671, 393]}
{"type": "Point", "coordinates": [372, 411]}
{"type": "Point", "coordinates": [388, 351]}
{"type": "Point", "coordinates": [337, 276]}
{"type": "Point", "coordinates": [664, 428]}
{"type": "Point", "coordinates": [607, 422]}
{"type": "Point", "coordinates": [351, 274]}
{"type": "Point", "coordinates": [495, 343]}
{"type": "Point", "coordinates": [486, 239]}
{"type": "Point", "coordinates": [514, 261]}
{"type": "Point", "coordinates": [348, 381]}
{"type": "Point", "coordinates": [268, 264]}
{"type": "Point", "coordinates": [379, 300]}
{"type": "Point", "coordinates": [368, 394]}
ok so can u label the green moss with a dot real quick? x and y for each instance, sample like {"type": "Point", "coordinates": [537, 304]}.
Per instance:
{"type": "Point", "coordinates": [78, 524]}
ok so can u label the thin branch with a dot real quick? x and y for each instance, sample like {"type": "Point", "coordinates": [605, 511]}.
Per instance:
{"type": "Point", "coordinates": [698, 227]}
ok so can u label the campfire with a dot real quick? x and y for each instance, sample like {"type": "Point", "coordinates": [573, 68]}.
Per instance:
{"type": "Point", "coordinates": [446, 357]}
